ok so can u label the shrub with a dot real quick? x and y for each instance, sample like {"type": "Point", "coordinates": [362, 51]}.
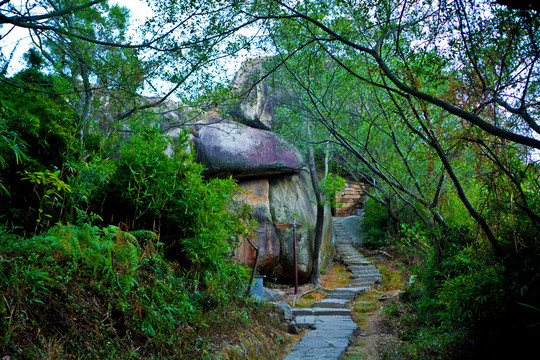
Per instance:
{"type": "Point", "coordinates": [101, 292]}
{"type": "Point", "coordinates": [376, 225]}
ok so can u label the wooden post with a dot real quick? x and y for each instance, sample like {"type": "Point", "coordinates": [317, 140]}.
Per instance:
{"type": "Point", "coordinates": [293, 224]}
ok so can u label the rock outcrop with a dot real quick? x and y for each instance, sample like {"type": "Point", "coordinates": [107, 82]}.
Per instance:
{"type": "Point", "coordinates": [257, 196]}
{"type": "Point", "coordinates": [292, 197]}
{"type": "Point", "coordinates": [278, 187]}
{"type": "Point", "coordinates": [257, 100]}
{"type": "Point", "coordinates": [228, 148]}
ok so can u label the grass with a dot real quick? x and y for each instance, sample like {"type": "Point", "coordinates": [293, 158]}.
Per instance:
{"type": "Point", "coordinates": [307, 301]}
{"type": "Point", "coordinates": [336, 276]}
{"type": "Point", "coordinates": [365, 305]}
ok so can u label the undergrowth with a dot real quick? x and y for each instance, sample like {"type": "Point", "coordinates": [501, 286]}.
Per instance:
{"type": "Point", "coordinates": [83, 292]}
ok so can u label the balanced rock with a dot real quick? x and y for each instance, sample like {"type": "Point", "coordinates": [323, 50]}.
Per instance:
{"type": "Point", "coordinates": [232, 149]}
{"type": "Point", "coordinates": [277, 200]}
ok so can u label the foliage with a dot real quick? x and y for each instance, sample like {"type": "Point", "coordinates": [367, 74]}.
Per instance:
{"type": "Point", "coordinates": [84, 291]}
{"type": "Point", "coordinates": [434, 104]}
{"type": "Point", "coordinates": [132, 248]}
{"type": "Point", "coordinates": [331, 185]}
{"type": "Point", "coordinates": [157, 186]}
{"type": "Point", "coordinates": [459, 299]}
{"type": "Point", "coordinates": [49, 190]}
{"type": "Point", "coordinates": [376, 225]}
{"type": "Point", "coordinates": [36, 137]}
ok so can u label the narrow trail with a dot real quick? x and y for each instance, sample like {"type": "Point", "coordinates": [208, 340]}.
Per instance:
{"type": "Point", "coordinates": [330, 319]}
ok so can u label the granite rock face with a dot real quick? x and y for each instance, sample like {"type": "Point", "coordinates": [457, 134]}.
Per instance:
{"type": "Point", "coordinates": [293, 198]}
{"type": "Point", "coordinates": [257, 100]}
{"type": "Point", "coordinates": [232, 149]}
{"type": "Point", "coordinates": [256, 195]}
{"type": "Point", "coordinates": [278, 187]}
{"type": "Point", "coordinates": [277, 200]}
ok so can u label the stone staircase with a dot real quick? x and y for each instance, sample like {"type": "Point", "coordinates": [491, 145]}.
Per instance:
{"type": "Point", "coordinates": [330, 319]}
{"type": "Point", "coordinates": [363, 273]}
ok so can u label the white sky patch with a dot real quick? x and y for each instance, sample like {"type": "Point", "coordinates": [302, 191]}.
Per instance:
{"type": "Point", "coordinates": [14, 42]}
{"type": "Point", "coordinates": [17, 41]}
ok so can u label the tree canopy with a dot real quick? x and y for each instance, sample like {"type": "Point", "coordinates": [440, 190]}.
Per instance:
{"type": "Point", "coordinates": [433, 103]}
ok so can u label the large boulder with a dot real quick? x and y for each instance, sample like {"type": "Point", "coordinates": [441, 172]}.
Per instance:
{"type": "Point", "coordinates": [232, 149]}
{"type": "Point", "coordinates": [276, 185]}
{"type": "Point", "coordinates": [255, 193]}
{"type": "Point", "coordinates": [292, 197]}
{"type": "Point", "coordinates": [257, 100]}
{"type": "Point", "coordinates": [277, 200]}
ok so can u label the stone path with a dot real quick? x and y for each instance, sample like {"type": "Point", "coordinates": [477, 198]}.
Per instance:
{"type": "Point", "coordinates": [330, 319]}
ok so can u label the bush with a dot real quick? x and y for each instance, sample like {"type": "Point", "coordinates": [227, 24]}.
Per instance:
{"type": "Point", "coordinates": [79, 291]}
{"type": "Point", "coordinates": [376, 225]}
{"type": "Point", "coordinates": [156, 185]}
{"type": "Point", "coordinates": [37, 135]}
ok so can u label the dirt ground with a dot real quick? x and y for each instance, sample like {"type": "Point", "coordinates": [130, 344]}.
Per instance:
{"type": "Point", "coordinates": [371, 332]}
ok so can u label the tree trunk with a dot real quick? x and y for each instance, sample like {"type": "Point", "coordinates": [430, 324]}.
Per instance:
{"type": "Point", "coordinates": [316, 270]}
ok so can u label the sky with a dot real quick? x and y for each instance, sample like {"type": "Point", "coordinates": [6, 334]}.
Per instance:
{"type": "Point", "coordinates": [18, 39]}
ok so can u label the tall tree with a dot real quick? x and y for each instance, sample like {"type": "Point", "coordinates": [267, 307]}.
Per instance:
{"type": "Point", "coordinates": [434, 57]}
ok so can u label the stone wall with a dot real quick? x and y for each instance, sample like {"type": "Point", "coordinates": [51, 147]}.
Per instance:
{"type": "Point", "coordinates": [352, 199]}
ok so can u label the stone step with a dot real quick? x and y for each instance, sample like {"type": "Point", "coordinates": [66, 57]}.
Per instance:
{"type": "Point", "coordinates": [374, 277]}
{"type": "Point", "coordinates": [364, 282]}
{"type": "Point", "coordinates": [356, 262]}
{"type": "Point", "coordinates": [346, 291]}
{"type": "Point", "coordinates": [348, 252]}
{"type": "Point", "coordinates": [357, 276]}
{"type": "Point", "coordinates": [367, 279]}
{"type": "Point", "coordinates": [317, 311]}
{"type": "Point", "coordinates": [321, 321]}
{"type": "Point", "coordinates": [361, 268]}
{"type": "Point", "coordinates": [341, 296]}
{"type": "Point", "coordinates": [354, 254]}
{"type": "Point", "coordinates": [359, 272]}
{"type": "Point", "coordinates": [356, 258]}
{"type": "Point", "coordinates": [332, 303]}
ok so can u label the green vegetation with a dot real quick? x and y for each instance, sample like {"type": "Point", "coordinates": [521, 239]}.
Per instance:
{"type": "Point", "coordinates": [459, 299]}
{"type": "Point", "coordinates": [80, 291]}
{"type": "Point", "coordinates": [432, 104]}
{"type": "Point", "coordinates": [117, 247]}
